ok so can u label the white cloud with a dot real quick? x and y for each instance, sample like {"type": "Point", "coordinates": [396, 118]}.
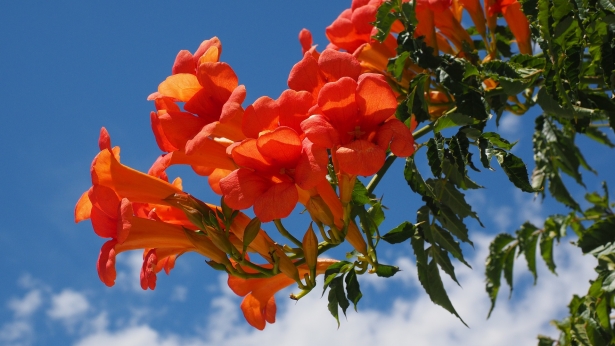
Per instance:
{"type": "Point", "coordinates": [179, 293]}
{"type": "Point", "coordinates": [68, 305]}
{"type": "Point", "coordinates": [509, 123]}
{"type": "Point", "coordinates": [27, 305]}
{"type": "Point", "coordinates": [411, 318]}
{"type": "Point", "coordinates": [129, 270]}
{"type": "Point", "coordinates": [17, 333]}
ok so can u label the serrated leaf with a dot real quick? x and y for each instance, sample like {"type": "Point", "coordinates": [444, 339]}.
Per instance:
{"type": "Point", "coordinates": [376, 213]}
{"type": "Point", "coordinates": [444, 239]}
{"type": "Point", "coordinates": [352, 288]}
{"type": "Point", "coordinates": [599, 136]}
{"type": "Point", "coordinates": [559, 191]}
{"type": "Point", "coordinates": [494, 266]}
{"type": "Point", "coordinates": [509, 263]}
{"type": "Point", "coordinates": [400, 233]}
{"type": "Point", "coordinates": [360, 195]}
{"type": "Point", "coordinates": [386, 271]}
{"type": "Point", "coordinates": [546, 251]}
{"type": "Point", "coordinates": [452, 120]}
{"type": "Point", "coordinates": [600, 234]}
{"type": "Point", "coordinates": [451, 171]}
{"type": "Point", "coordinates": [453, 224]}
{"type": "Point", "coordinates": [338, 286]}
{"type": "Point", "coordinates": [529, 242]}
{"type": "Point", "coordinates": [384, 20]}
{"type": "Point", "coordinates": [515, 170]}
{"type": "Point", "coordinates": [441, 257]}
{"type": "Point", "coordinates": [430, 279]}
{"type": "Point", "coordinates": [333, 271]}
{"type": "Point", "coordinates": [433, 157]}
{"type": "Point", "coordinates": [498, 141]}
{"type": "Point", "coordinates": [333, 305]}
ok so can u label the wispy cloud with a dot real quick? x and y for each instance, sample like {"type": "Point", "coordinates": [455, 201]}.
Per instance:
{"type": "Point", "coordinates": [410, 319]}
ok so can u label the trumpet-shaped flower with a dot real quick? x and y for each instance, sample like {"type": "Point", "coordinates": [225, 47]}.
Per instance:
{"type": "Point", "coordinates": [258, 306]}
{"type": "Point", "coordinates": [353, 27]}
{"type": "Point", "coordinates": [271, 168]}
{"type": "Point", "coordinates": [356, 124]}
{"type": "Point", "coordinates": [516, 19]}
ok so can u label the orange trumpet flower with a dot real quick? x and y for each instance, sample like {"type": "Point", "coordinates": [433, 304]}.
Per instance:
{"type": "Point", "coordinates": [258, 306]}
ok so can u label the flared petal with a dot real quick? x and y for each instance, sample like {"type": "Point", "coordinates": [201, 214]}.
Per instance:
{"type": "Point", "coordinates": [262, 115]}
{"type": "Point", "coordinates": [375, 99]}
{"type": "Point", "coordinates": [320, 132]}
{"type": "Point", "coordinates": [294, 107]}
{"type": "Point", "coordinates": [337, 101]}
{"type": "Point", "coordinates": [360, 157]}
{"type": "Point", "coordinates": [248, 155]}
{"type": "Point", "coordinates": [277, 202]}
{"type": "Point", "coordinates": [305, 38]}
{"type": "Point", "coordinates": [335, 64]}
{"type": "Point", "coordinates": [242, 187]}
{"type": "Point", "coordinates": [312, 166]}
{"type": "Point", "coordinates": [83, 207]}
{"type": "Point", "coordinates": [129, 183]}
{"type": "Point", "coordinates": [280, 147]}
{"type": "Point", "coordinates": [305, 75]}
{"type": "Point", "coordinates": [180, 86]}
{"type": "Point", "coordinates": [395, 133]}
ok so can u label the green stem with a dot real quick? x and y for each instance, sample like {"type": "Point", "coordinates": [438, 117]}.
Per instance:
{"type": "Point", "coordinates": [285, 233]}
{"type": "Point", "coordinates": [389, 161]}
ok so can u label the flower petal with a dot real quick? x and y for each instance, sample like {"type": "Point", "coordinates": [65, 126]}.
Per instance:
{"type": "Point", "coordinates": [262, 115]}
{"type": "Point", "coordinates": [320, 132]}
{"type": "Point", "coordinates": [398, 135]}
{"type": "Point", "coordinates": [360, 157]}
{"type": "Point", "coordinates": [242, 187]}
{"type": "Point", "coordinates": [277, 202]}
{"type": "Point", "coordinates": [180, 86]}
{"type": "Point", "coordinates": [375, 99]}
{"type": "Point", "coordinates": [337, 102]}
{"type": "Point", "coordinates": [335, 65]}
{"type": "Point", "coordinates": [282, 147]}
{"type": "Point", "coordinates": [294, 108]}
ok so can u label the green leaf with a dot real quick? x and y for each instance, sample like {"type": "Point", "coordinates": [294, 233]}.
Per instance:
{"type": "Point", "coordinates": [494, 266]}
{"type": "Point", "coordinates": [545, 341]}
{"type": "Point", "coordinates": [386, 271]}
{"type": "Point", "coordinates": [397, 67]}
{"type": "Point", "coordinates": [452, 120]}
{"type": "Point", "coordinates": [352, 288]}
{"type": "Point", "coordinates": [451, 171]}
{"type": "Point", "coordinates": [607, 5]}
{"type": "Point", "coordinates": [376, 213]}
{"type": "Point", "coordinates": [415, 100]}
{"type": "Point", "coordinates": [515, 170]}
{"type": "Point", "coordinates": [360, 195]}
{"type": "Point", "coordinates": [430, 279]}
{"type": "Point", "coordinates": [433, 157]}
{"type": "Point", "coordinates": [384, 20]}
{"type": "Point", "coordinates": [333, 271]}
{"type": "Point", "coordinates": [400, 233]}
{"type": "Point", "coordinates": [441, 257]}
{"type": "Point", "coordinates": [509, 262]}
{"type": "Point", "coordinates": [600, 234]}
{"type": "Point", "coordinates": [599, 136]}
{"type": "Point", "coordinates": [414, 178]}
{"type": "Point", "coordinates": [546, 251]}
{"type": "Point", "coordinates": [453, 224]}
{"type": "Point", "coordinates": [498, 141]}
{"type": "Point", "coordinates": [529, 242]}
{"type": "Point", "coordinates": [333, 305]}
{"type": "Point", "coordinates": [452, 198]}
{"type": "Point", "coordinates": [338, 286]}
{"type": "Point", "coordinates": [444, 239]}
{"type": "Point", "coordinates": [560, 193]}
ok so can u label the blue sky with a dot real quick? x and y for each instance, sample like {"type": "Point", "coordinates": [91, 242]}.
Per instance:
{"type": "Point", "coordinates": [69, 67]}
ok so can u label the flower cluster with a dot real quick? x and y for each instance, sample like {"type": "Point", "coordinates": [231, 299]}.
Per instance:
{"type": "Point", "coordinates": [335, 122]}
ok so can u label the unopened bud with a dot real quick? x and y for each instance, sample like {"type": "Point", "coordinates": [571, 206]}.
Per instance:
{"type": "Point", "coordinates": [310, 248]}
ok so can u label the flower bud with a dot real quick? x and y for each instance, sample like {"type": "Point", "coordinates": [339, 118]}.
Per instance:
{"type": "Point", "coordinates": [310, 248]}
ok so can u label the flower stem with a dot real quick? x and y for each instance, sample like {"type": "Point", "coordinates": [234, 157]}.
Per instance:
{"type": "Point", "coordinates": [389, 161]}
{"type": "Point", "coordinates": [283, 231]}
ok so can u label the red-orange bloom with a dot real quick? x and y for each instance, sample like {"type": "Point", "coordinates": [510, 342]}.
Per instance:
{"type": "Point", "coordinates": [516, 19]}
{"type": "Point", "coordinates": [211, 117]}
{"type": "Point", "coordinates": [271, 166]}
{"type": "Point", "coordinates": [311, 74]}
{"type": "Point", "coordinates": [353, 27]}
{"type": "Point", "coordinates": [357, 124]}
{"type": "Point", "coordinates": [259, 306]}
